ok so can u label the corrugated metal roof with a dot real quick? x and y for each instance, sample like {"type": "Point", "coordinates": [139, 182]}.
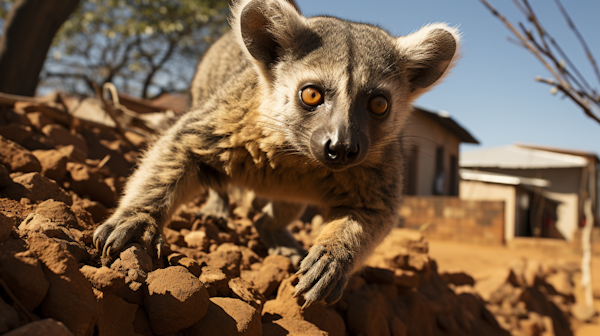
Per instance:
{"type": "Point", "coordinates": [517, 157]}
{"type": "Point", "coordinates": [591, 155]}
{"type": "Point", "coordinates": [474, 175]}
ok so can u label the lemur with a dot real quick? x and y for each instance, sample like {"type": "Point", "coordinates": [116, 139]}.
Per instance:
{"type": "Point", "coordinates": [302, 111]}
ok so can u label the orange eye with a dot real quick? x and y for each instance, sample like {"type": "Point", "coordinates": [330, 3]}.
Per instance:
{"type": "Point", "coordinates": [378, 105]}
{"type": "Point", "coordinates": [311, 96]}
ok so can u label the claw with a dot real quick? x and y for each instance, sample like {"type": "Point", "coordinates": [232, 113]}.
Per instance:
{"type": "Point", "coordinates": [106, 253]}
{"type": "Point", "coordinates": [120, 230]}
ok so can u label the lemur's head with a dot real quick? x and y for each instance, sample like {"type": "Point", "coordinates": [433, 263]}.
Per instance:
{"type": "Point", "coordinates": [343, 90]}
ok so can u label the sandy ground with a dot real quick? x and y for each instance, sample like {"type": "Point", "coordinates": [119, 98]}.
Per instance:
{"type": "Point", "coordinates": [482, 262]}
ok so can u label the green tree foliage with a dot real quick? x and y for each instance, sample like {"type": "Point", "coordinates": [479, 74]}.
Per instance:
{"type": "Point", "coordinates": [145, 47]}
{"type": "Point", "coordinates": [4, 8]}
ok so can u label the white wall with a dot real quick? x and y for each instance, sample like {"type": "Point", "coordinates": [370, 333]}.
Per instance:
{"type": "Point", "coordinates": [567, 213]}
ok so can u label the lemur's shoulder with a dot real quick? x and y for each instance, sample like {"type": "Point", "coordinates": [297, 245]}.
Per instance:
{"type": "Point", "coordinates": [222, 64]}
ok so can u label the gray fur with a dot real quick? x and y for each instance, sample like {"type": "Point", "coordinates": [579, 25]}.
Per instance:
{"type": "Point", "coordinates": [249, 128]}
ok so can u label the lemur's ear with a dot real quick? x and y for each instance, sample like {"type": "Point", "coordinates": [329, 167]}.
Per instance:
{"type": "Point", "coordinates": [266, 29]}
{"type": "Point", "coordinates": [428, 55]}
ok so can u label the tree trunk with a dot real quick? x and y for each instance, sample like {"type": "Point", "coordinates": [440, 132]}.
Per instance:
{"type": "Point", "coordinates": [29, 29]}
{"type": "Point", "coordinates": [586, 261]}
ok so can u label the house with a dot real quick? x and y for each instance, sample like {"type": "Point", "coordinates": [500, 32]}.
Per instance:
{"type": "Point", "coordinates": [431, 148]}
{"type": "Point", "coordinates": [528, 210]}
{"type": "Point", "coordinates": [431, 185]}
{"type": "Point", "coordinates": [571, 178]}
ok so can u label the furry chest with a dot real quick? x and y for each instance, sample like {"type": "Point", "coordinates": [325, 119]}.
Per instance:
{"type": "Point", "coordinates": [304, 183]}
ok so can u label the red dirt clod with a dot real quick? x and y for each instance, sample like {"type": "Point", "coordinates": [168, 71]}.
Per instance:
{"type": "Point", "coordinates": [176, 299]}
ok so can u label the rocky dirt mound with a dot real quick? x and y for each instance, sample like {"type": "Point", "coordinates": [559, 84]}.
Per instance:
{"type": "Point", "coordinates": [531, 298]}
{"type": "Point", "coordinates": [60, 177]}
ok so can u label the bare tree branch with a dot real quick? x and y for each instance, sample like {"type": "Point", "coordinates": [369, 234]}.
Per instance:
{"type": "Point", "coordinates": [580, 38]}
{"type": "Point", "coordinates": [567, 78]}
{"type": "Point", "coordinates": [569, 94]}
{"type": "Point", "coordinates": [525, 41]}
{"type": "Point", "coordinates": [81, 76]}
{"type": "Point", "coordinates": [142, 47]}
{"type": "Point", "coordinates": [578, 78]}
{"type": "Point", "coordinates": [114, 69]}
{"type": "Point", "coordinates": [155, 67]}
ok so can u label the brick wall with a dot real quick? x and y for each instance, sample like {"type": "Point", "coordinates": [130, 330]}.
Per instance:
{"type": "Point", "coordinates": [450, 218]}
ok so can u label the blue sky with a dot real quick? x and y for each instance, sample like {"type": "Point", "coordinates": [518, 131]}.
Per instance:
{"type": "Point", "coordinates": [492, 92]}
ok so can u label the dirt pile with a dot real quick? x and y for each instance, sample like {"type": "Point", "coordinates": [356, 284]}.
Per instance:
{"type": "Point", "coordinates": [531, 298]}
{"type": "Point", "coordinates": [59, 178]}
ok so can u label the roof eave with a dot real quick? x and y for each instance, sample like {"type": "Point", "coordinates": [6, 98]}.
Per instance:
{"type": "Point", "coordinates": [450, 124]}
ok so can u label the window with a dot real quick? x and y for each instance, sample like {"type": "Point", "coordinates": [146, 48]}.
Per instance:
{"type": "Point", "coordinates": [410, 171]}
{"type": "Point", "coordinates": [439, 179]}
{"type": "Point", "coordinates": [453, 175]}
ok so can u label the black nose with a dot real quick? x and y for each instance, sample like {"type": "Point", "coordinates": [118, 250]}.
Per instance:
{"type": "Point", "coordinates": [341, 152]}
{"type": "Point", "coordinates": [339, 148]}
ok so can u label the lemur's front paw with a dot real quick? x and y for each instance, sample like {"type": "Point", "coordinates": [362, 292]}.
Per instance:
{"type": "Point", "coordinates": [128, 227]}
{"type": "Point", "coordinates": [324, 274]}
